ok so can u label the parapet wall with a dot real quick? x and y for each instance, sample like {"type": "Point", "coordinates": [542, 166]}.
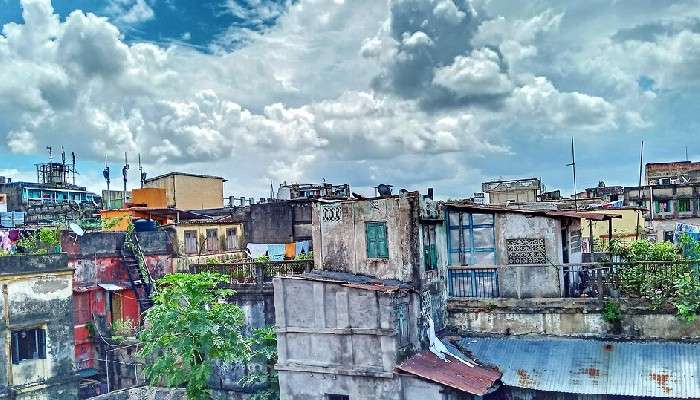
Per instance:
{"type": "Point", "coordinates": [566, 317]}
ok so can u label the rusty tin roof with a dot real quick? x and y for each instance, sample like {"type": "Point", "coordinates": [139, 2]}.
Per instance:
{"type": "Point", "coordinates": [475, 379]}
{"type": "Point", "coordinates": [589, 366]}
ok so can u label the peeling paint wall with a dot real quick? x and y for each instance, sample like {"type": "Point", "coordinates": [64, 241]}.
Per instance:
{"type": "Point", "coordinates": [39, 297]}
{"type": "Point", "coordinates": [566, 317]}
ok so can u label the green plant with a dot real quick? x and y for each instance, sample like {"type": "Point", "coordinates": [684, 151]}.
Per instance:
{"type": "Point", "coordinates": [264, 380]}
{"type": "Point", "coordinates": [109, 223]}
{"type": "Point", "coordinates": [612, 312]}
{"type": "Point", "coordinates": [305, 256]}
{"type": "Point", "coordinates": [123, 327]}
{"type": "Point", "coordinates": [50, 236]}
{"type": "Point", "coordinates": [189, 327]}
{"type": "Point", "coordinates": [687, 300]}
{"type": "Point", "coordinates": [262, 258]}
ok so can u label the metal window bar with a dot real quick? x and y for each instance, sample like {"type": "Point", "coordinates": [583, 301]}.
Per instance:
{"type": "Point", "coordinates": [473, 282]}
{"type": "Point", "coordinates": [253, 272]}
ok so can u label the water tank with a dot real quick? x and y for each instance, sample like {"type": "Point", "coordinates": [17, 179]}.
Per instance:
{"type": "Point", "coordinates": [144, 225]}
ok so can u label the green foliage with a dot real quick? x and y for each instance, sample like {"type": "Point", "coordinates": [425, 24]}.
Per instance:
{"type": "Point", "coordinates": [123, 328]}
{"type": "Point", "coordinates": [262, 258]}
{"type": "Point", "coordinates": [305, 256]}
{"type": "Point", "coordinates": [190, 325]}
{"type": "Point", "coordinates": [263, 343]}
{"type": "Point", "coordinates": [43, 241]}
{"type": "Point", "coordinates": [109, 223]}
{"type": "Point", "coordinates": [674, 280]}
{"type": "Point", "coordinates": [612, 312]}
{"type": "Point", "coordinates": [50, 236]}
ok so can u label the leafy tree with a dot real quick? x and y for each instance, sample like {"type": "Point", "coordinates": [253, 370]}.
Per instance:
{"type": "Point", "coordinates": [190, 326]}
{"type": "Point", "coordinates": [265, 381]}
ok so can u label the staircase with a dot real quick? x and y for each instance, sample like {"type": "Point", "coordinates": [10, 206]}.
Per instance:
{"type": "Point", "coordinates": [140, 279]}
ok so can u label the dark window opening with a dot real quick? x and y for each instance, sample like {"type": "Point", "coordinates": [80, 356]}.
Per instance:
{"type": "Point", "coordinates": [337, 397]}
{"type": "Point", "coordinates": [28, 344]}
{"type": "Point", "coordinates": [429, 248]}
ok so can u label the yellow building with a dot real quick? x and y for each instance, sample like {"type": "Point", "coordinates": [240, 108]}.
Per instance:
{"type": "Point", "coordinates": [190, 191]}
{"type": "Point", "coordinates": [622, 228]}
{"type": "Point", "coordinates": [207, 237]}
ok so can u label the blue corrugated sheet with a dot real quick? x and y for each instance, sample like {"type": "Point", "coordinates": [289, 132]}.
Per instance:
{"type": "Point", "coordinates": [12, 219]}
{"type": "Point", "coordinates": [583, 366]}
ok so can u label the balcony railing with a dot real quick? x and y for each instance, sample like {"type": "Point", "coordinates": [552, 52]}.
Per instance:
{"type": "Point", "coordinates": [585, 280]}
{"type": "Point", "coordinates": [255, 272]}
{"type": "Point", "coordinates": [473, 282]}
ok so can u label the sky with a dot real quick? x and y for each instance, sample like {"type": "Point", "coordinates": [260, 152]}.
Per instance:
{"type": "Point", "coordinates": [413, 93]}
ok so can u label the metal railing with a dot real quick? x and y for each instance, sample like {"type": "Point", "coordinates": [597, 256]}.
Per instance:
{"type": "Point", "coordinates": [255, 272]}
{"type": "Point", "coordinates": [473, 282]}
{"type": "Point", "coordinates": [619, 279]}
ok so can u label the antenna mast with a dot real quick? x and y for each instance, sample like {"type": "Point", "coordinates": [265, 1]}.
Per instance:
{"type": "Point", "coordinates": [142, 175]}
{"type": "Point", "coordinates": [72, 156]}
{"type": "Point", "coordinates": [105, 173]}
{"type": "Point", "coordinates": [572, 164]}
{"type": "Point", "coordinates": [639, 195]}
{"type": "Point", "coordinates": [125, 170]}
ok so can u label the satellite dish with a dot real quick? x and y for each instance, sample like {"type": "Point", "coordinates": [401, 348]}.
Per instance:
{"type": "Point", "coordinates": [76, 229]}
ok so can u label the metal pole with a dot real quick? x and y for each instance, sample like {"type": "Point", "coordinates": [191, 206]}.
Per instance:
{"type": "Point", "coordinates": [639, 195]}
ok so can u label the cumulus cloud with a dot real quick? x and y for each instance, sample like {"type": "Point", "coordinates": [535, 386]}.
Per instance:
{"type": "Point", "coordinates": [478, 74]}
{"type": "Point", "coordinates": [419, 91]}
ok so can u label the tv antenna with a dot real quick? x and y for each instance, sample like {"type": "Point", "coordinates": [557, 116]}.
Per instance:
{"type": "Point", "coordinates": [125, 172]}
{"type": "Point", "coordinates": [105, 173]}
{"type": "Point", "coordinates": [572, 164]}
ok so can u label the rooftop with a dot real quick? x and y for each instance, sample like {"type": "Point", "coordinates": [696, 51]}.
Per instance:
{"type": "Point", "coordinates": [588, 366]}
{"type": "Point", "coordinates": [183, 174]}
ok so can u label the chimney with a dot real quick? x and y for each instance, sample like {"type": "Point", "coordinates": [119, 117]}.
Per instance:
{"type": "Point", "coordinates": [430, 193]}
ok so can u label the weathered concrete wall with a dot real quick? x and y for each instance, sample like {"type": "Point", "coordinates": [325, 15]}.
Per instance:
{"type": "Point", "coordinates": [521, 226]}
{"type": "Point", "coordinates": [144, 393]}
{"type": "Point", "coordinates": [524, 282]}
{"type": "Point", "coordinates": [109, 243]}
{"type": "Point", "coordinates": [565, 317]}
{"type": "Point", "coordinates": [39, 296]}
{"type": "Point", "coordinates": [317, 386]}
{"type": "Point", "coordinates": [341, 240]}
{"type": "Point", "coordinates": [339, 340]}
{"type": "Point", "coordinates": [270, 223]}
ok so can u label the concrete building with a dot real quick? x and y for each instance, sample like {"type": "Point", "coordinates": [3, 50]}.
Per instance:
{"type": "Point", "coordinates": [312, 191]}
{"type": "Point", "coordinates": [190, 191]}
{"type": "Point", "coordinates": [36, 331]}
{"type": "Point", "coordinates": [512, 191]}
{"type": "Point", "coordinates": [672, 173]}
{"type": "Point", "coordinates": [104, 293]}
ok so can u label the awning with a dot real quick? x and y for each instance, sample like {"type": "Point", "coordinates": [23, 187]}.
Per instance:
{"type": "Point", "coordinates": [475, 379]}
{"type": "Point", "coordinates": [589, 366]}
{"type": "Point", "coordinates": [111, 287]}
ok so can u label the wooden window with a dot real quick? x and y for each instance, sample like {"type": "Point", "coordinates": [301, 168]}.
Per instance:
{"type": "Point", "coordinates": [470, 238]}
{"type": "Point", "coordinates": [683, 205]}
{"type": "Point", "coordinates": [231, 239]}
{"type": "Point", "coordinates": [212, 240]}
{"type": "Point", "coordinates": [28, 344]}
{"type": "Point", "coordinates": [377, 244]}
{"type": "Point", "coordinates": [429, 248]}
{"type": "Point", "coordinates": [191, 242]}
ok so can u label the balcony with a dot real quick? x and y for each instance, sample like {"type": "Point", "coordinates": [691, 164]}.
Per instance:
{"type": "Point", "coordinates": [255, 273]}
{"type": "Point", "coordinates": [587, 280]}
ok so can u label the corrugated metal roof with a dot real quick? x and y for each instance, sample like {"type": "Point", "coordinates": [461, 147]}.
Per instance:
{"type": "Point", "coordinates": [455, 374]}
{"type": "Point", "coordinates": [587, 366]}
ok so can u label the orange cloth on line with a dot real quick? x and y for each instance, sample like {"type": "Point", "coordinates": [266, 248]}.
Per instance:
{"type": "Point", "coordinates": [290, 250]}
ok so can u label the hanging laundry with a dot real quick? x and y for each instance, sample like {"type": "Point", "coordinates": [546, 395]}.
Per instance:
{"type": "Point", "coordinates": [290, 250]}
{"type": "Point", "coordinates": [303, 246]}
{"type": "Point", "coordinates": [275, 252]}
{"type": "Point", "coordinates": [257, 250]}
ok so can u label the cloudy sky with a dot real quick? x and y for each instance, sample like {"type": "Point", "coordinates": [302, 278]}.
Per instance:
{"type": "Point", "coordinates": [416, 93]}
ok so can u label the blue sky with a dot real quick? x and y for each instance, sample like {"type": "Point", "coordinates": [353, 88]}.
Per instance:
{"type": "Point", "coordinates": [416, 93]}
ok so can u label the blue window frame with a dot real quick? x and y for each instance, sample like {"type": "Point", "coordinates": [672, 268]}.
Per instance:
{"type": "Point", "coordinates": [470, 238]}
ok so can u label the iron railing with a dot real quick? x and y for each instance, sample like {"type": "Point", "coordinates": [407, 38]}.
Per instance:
{"type": "Point", "coordinates": [620, 279]}
{"type": "Point", "coordinates": [255, 272]}
{"type": "Point", "coordinates": [473, 282]}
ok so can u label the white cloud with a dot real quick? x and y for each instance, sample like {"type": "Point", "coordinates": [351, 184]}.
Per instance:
{"type": "Point", "coordinates": [130, 11]}
{"type": "Point", "coordinates": [474, 75]}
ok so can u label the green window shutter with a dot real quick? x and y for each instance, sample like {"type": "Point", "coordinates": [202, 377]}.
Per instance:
{"type": "Point", "coordinates": [382, 243]}
{"type": "Point", "coordinates": [375, 233]}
